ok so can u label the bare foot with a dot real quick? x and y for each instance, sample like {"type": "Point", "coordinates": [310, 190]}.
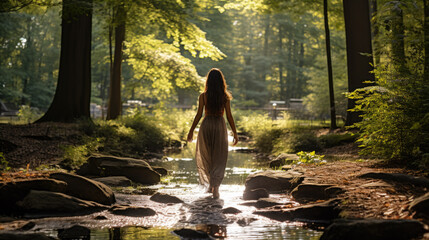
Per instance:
{"type": "Point", "coordinates": [210, 189]}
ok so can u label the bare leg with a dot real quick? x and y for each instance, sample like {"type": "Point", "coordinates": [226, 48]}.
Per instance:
{"type": "Point", "coordinates": [216, 192]}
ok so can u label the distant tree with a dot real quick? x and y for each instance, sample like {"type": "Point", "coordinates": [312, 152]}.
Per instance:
{"type": "Point", "coordinates": [170, 18]}
{"type": "Point", "coordinates": [72, 96]}
{"type": "Point", "coordinates": [329, 64]}
{"type": "Point", "coordinates": [359, 50]}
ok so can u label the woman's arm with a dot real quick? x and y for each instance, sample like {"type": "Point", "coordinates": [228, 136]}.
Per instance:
{"type": "Point", "coordinates": [197, 117]}
{"type": "Point", "coordinates": [231, 121]}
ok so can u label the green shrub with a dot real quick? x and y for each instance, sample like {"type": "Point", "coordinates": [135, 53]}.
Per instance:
{"type": "Point", "coordinates": [266, 141]}
{"type": "Point", "coordinates": [395, 113]}
{"type": "Point", "coordinates": [332, 140]}
{"type": "Point", "coordinates": [28, 114]}
{"type": "Point", "coordinates": [310, 157]}
{"type": "Point", "coordinates": [302, 140]}
{"type": "Point", "coordinates": [4, 164]}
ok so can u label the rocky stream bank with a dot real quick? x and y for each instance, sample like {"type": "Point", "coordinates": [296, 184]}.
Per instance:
{"type": "Point", "coordinates": [346, 200]}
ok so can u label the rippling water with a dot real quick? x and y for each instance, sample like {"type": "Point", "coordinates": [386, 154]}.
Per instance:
{"type": "Point", "coordinates": [199, 211]}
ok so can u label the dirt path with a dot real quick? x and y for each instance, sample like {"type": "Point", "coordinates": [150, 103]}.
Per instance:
{"type": "Point", "coordinates": [367, 198]}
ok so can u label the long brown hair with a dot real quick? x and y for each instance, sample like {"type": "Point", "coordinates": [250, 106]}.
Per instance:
{"type": "Point", "coordinates": [216, 91]}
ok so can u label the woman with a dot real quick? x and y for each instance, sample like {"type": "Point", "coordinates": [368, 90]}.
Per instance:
{"type": "Point", "coordinates": [212, 140]}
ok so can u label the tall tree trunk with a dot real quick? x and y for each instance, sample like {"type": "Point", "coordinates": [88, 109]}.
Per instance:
{"type": "Point", "coordinates": [115, 103]}
{"type": "Point", "coordinates": [358, 41]}
{"type": "Point", "coordinates": [266, 38]}
{"type": "Point", "coordinates": [329, 63]}
{"type": "Point", "coordinates": [289, 74]}
{"type": "Point", "coordinates": [281, 78]}
{"type": "Point", "coordinates": [426, 40]}
{"type": "Point", "coordinates": [300, 70]}
{"type": "Point", "coordinates": [397, 39]}
{"type": "Point", "coordinates": [72, 96]}
{"type": "Point", "coordinates": [375, 30]}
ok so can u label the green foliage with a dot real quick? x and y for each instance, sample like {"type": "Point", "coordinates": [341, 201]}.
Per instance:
{"type": "Point", "coordinates": [395, 117]}
{"type": "Point", "coordinates": [310, 157]}
{"type": "Point", "coordinates": [75, 156]}
{"type": "Point", "coordinates": [301, 139]}
{"type": "Point", "coordinates": [28, 114]}
{"type": "Point", "coordinates": [3, 163]}
{"type": "Point", "coordinates": [331, 140]}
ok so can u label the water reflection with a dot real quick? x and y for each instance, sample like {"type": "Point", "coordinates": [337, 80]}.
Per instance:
{"type": "Point", "coordinates": [217, 231]}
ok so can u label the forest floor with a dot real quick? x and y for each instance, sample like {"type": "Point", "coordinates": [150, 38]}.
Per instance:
{"type": "Point", "coordinates": [27, 147]}
{"type": "Point", "coordinates": [363, 197]}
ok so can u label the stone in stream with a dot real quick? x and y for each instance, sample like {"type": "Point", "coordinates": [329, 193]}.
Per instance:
{"type": "Point", "coordinates": [132, 211]}
{"type": "Point", "coordinates": [283, 159]}
{"type": "Point", "coordinates": [115, 181]}
{"type": "Point", "coordinates": [255, 194]}
{"type": "Point", "coordinates": [85, 188]}
{"type": "Point", "coordinates": [274, 181]}
{"type": "Point", "coordinates": [398, 177]}
{"type": "Point", "coordinates": [12, 192]}
{"type": "Point", "coordinates": [75, 232]}
{"type": "Point", "coordinates": [137, 170]}
{"type": "Point", "coordinates": [19, 236]}
{"type": "Point", "coordinates": [57, 204]}
{"type": "Point", "coordinates": [165, 198]}
{"type": "Point", "coordinates": [230, 210]}
{"type": "Point", "coordinates": [313, 213]}
{"type": "Point", "coordinates": [28, 226]}
{"type": "Point", "coordinates": [420, 205]}
{"type": "Point", "coordinates": [162, 171]}
{"type": "Point", "coordinates": [186, 233]}
{"type": "Point", "coordinates": [380, 229]}
{"type": "Point", "coordinates": [312, 192]}
{"type": "Point", "coordinates": [266, 202]}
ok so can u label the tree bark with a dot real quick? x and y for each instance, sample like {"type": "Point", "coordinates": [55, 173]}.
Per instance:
{"type": "Point", "coordinates": [397, 39]}
{"type": "Point", "coordinates": [358, 41]}
{"type": "Point", "coordinates": [73, 92]}
{"type": "Point", "coordinates": [375, 30]}
{"type": "Point", "coordinates": [115, 103]}
{"type": "Point", "coordinates": [329, 63]}
{"type": "Point", "coordinates": [426, 40]}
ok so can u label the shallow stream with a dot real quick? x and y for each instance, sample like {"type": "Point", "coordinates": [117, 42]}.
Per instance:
{"type": "Point", "coordinates": [199, 211]}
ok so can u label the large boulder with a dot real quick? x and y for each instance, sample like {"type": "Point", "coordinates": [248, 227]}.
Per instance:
{"type": "Point", "coordinates": [421, 206]}
{"type": "Point", "coordinates": [314, 213]}
{"type": "Point", "coordinates": [398, 177]}
{"type": "Point", "coordinates": [379, 229]}
{"type": "Point", "coordinates": [85, 188]}
{"type": "Point", "coordinates": [312, 192]}
{"type": "Point", "coordinates": [135, 169]}
{"type": "Point", "coordinates": [12, 192]}
{"type": "Point", "coordinates": [57, 204]}
{"type": "Point", "coordinates": [274, 181]}
{"type": "Point", "coordinates": [165, 198]}
{"type": "Point", "coordinates": [115, 181]}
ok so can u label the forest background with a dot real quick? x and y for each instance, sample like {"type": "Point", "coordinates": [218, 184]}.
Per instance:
{"type": "Point", "coordinates": [268, 50]}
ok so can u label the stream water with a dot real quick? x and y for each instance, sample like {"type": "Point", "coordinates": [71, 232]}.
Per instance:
{"type": "Point", "coordinates": [199, 211]}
